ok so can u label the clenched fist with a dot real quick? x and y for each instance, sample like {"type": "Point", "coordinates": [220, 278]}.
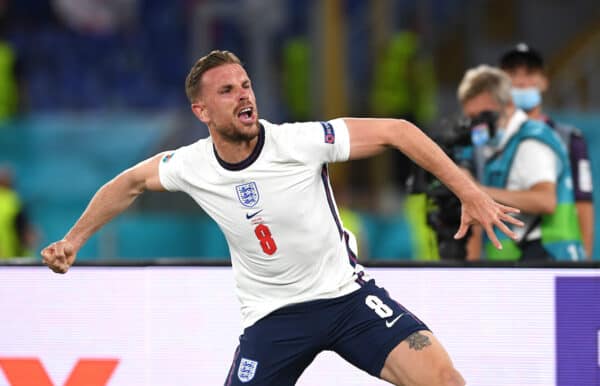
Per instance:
{"type": "Point", "coordinates": [59, 256]}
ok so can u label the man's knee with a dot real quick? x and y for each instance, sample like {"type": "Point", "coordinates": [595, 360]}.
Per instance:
{"type": "Point", "coordinates": [445, 375]}
{"type": "Point", "coordinates": [449, 376]}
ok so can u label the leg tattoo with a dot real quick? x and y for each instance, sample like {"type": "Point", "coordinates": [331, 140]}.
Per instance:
{"type": "Point", "coordinates": [418, 341]}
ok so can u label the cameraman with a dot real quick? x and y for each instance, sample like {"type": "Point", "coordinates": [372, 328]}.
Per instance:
{"type": "Point", "coordinates": [526, 166]}
{"type": "Point", "coordinates": [432, 210]}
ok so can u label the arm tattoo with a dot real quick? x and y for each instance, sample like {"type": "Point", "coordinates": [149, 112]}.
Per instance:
{"type": "Point", "coordinates": [418, 341]}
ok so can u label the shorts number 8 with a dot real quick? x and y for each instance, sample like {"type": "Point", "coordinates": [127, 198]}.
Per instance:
{"type": "Point", "coordinates": [377, 305]}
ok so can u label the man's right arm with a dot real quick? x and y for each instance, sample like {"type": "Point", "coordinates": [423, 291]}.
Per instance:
{"type": "Point", "coordinates": [110, 200]}
{"type": "Point", "coordinates": [533, 173]}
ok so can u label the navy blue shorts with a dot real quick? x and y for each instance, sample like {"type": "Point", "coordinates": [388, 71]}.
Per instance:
{"type": "Point", "coordinates": [276, 349]}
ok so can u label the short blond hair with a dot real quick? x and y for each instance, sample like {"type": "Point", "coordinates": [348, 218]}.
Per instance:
{"type": "Point", "coordinates": [214, 59]}
{"type": "Point", "coordinates": [484, 78]}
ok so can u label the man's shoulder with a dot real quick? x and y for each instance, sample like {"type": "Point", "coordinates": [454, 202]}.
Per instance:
{"type": "Point", "coordinates": [537, 129]}
{"type": "Point", "coordinates": [567, 128]}
{"type": "Point", "coordinates": [288, 131]}
{"type": "Point", "coordinates": [538, 137]}
{"type": "Point", "coordinates": [327, 126]}
{"type": "Point", "coordinates": [193, 150]}
{"type": "Point", "coordinates": [270, 125]}
{"type": "Point", "coordinates": [535, 124]}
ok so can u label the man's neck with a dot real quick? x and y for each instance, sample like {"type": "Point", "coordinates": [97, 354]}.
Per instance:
{"type": "Point", "coordinates": [536, 113]}
{"type": "Point", "coordinates": [234, 152]}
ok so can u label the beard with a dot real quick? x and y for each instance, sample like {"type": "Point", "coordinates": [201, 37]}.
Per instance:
{"type": "Point", "coordinates": [234, 133]}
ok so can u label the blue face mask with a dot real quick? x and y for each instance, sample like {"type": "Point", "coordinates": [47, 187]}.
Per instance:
{"type": "Point", "coordinates": [480, 135]}
{"type": "Point", "coordinates": [483, 127]}
{"type": "Point", "coordinates": [526, 98]}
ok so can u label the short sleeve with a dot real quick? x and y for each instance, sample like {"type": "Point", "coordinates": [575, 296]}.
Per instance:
{"type": "Point", "coordinates": [534, 162]}
{"type": "Point", "coordinates": [169, 170]}
{"type": "Point", "coordinates": [316, 142]}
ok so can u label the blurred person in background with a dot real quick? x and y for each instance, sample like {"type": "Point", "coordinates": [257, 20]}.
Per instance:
{"type": "Point", "coordinates": [404, 85]}
{"type": "Point", "coordinates": [525, 66]}
{"type": "Point", "coordinates": [526, 166]}
{"type": "Point", "coordinates": [97, 16]}
{"type": "Point", "coordinates": [297, 278]}
{"type": "Point", "coordinates": [9, 70]}
{"type": "Point", "coordinates": [16, 234]}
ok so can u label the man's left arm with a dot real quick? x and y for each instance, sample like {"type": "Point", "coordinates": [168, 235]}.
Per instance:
{"type": "Point", "coordinates": [370, 136]}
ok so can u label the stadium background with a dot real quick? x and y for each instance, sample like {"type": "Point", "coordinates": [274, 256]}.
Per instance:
{"type": "Point", "coordinates": [101, 87]}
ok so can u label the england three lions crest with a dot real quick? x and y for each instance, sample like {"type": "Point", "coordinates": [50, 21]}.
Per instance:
{"type": "Point", "coordinates": [248, 194]}
{"type": "Point", "coordinates": [247, 370]}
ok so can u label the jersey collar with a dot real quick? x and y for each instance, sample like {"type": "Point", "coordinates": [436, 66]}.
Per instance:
{"type": "Point", "coordinates": [251, 158]}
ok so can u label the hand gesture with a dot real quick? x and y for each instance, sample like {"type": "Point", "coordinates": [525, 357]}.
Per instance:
{"type": "Point", "coordinates": [483, 210]}
{"type": "Point", "coordinates": [59, 256]}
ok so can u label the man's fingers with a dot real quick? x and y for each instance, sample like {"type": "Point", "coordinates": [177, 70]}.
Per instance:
{"type": "Point", "coordinates": [489, 230]}
{"type": "Point", "coordinates": [462, 231]}
{"type": "Point", "coordinates": [511, 219]}
{"type": "Point", "coordinates": [59, 252]}
{"type": "Point", "coordinates": [55, 257]}
{"type": "Point", "coordinates": [46, 253]}
{"type": "Point", "coordinates": [58, 269]}
{"type": "Point", "coordinates": [59, 266]}
{"type": "Point", "coordinates": [509, 209]}
{"type": "Point", "coordinates": [506, 230]}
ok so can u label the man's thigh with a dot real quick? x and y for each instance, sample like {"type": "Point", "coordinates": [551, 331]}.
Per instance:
{"type": "Point", "coordinates": [419, 360]}
{"type": "Point", "coordinates": [273, 352]}
{"type": "Point", "coordinates": [376, 325]}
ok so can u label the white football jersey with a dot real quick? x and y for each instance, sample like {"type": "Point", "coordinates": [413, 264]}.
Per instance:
{"type": "Point", "coordinates": [277, 212]}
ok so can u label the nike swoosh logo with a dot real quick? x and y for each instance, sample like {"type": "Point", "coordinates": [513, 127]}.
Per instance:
{"type": "Point", "coordinates": [249, 216]}
{"type": "Point", "coordinates": [390, 323]}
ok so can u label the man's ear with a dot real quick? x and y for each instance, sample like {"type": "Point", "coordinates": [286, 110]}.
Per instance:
{"type": "Point", "coordinates": [199, 110]}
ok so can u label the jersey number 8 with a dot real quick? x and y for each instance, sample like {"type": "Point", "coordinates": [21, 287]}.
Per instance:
{"type": "Point", "coordinates": [263, 233]}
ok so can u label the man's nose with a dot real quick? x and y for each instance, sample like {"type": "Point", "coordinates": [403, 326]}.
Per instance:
{"type": "Point", "coordinates": [244, 93]}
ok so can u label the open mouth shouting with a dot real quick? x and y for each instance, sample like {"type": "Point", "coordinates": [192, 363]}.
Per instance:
{"type": "Point", "coordinates": [246, 115]}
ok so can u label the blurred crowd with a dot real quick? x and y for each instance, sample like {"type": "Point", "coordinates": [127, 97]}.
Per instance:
{"type": "Point", "coordinates": [317, 60]}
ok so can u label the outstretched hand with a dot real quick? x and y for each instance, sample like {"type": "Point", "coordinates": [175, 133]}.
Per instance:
{"type": "Point", "coordinates": [59, 256]}
{"type": "Point", "coordinates": [481, 209]}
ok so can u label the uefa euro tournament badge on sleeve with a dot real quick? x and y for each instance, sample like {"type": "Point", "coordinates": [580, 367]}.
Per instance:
{"type": "Point", "coordinates": [167, 157]}
{"type": "Point", "coordinates": [247, 370]}
{"type": "Point", "coordinates": [248, 194]}
{"type": "Point", "coordinates": [329, 132]}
